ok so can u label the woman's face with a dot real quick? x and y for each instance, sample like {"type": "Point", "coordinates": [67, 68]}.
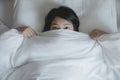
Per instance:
{"type": "Point", "coordinates": [60, 23]}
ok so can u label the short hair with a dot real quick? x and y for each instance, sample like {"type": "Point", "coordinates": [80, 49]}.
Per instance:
{"type": "Point", "coordinates": [62, 12]}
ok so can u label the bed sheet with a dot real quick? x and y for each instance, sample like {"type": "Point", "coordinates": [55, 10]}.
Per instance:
{"type": "Point", "coordinates": [6, 11]}
{"type": "Point", "coordinates": [91, 14]}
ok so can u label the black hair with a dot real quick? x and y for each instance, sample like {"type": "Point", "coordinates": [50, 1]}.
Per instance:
{"type": "Point", "coordinates": [62, 12]}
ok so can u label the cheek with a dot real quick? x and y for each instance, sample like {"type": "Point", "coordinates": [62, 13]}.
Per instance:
{"type": "Point", "coordinates": [72, 28]}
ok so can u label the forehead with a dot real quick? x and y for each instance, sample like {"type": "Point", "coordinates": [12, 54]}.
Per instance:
{"type": "Point", "coordinates": [57, 20]}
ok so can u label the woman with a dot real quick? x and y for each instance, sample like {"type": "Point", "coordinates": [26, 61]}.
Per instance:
{"type": "Point", "coordinates": [59, 18]}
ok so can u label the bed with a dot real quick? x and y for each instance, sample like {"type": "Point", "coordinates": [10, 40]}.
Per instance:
{"type": "Point", "coordinates": [60, 54]}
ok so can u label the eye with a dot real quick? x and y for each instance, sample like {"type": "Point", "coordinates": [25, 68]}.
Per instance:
{"type": "Point", "coordinates": [66, 27]}
{"type": "Point", "coordinates": [54, 28]}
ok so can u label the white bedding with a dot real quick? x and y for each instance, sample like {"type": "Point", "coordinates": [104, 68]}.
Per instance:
{"type": "Point", "coordinates": [93, 14]}
{"type": "Point", "coordinates": [59, 55]}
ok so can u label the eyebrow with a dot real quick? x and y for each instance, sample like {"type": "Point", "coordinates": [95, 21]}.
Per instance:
{"type": "Point", "coordinates": [54, 24]}
{"type": "Point", "coordinates": [67, 24]}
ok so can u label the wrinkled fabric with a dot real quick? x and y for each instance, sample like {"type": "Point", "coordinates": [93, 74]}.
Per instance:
{"type": "Point", "coordinates": [64, 55]}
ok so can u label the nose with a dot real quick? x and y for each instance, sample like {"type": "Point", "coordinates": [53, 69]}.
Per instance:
{"type": "Point", "coordinates": [61, 28]}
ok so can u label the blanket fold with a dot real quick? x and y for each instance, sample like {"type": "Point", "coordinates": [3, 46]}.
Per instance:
{"type": "Point", "coordinates": [59, 55]}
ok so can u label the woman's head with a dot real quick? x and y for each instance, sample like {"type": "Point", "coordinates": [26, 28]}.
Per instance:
{"type": "Point", "coordinates": [61, 18]}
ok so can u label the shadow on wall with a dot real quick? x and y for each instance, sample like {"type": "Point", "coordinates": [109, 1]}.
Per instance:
{"type": "Point", "coordinates": [7, 12]}
{"type": "Point", "coordinates": [118, 12]}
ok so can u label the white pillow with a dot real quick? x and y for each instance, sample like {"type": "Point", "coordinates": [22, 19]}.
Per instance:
{"type": "Point", "coordinates": [99, 14]}
{"type": "Point", "coordinates": [3, 28]}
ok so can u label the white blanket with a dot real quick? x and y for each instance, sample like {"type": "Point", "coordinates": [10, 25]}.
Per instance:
{"type": "Point", "coordinates": [59, 55]}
